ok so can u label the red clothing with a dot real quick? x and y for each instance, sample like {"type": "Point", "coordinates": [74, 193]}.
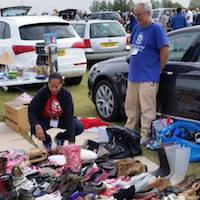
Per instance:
{"type": "Point", "coordinates": [92, 122]}
{"type": "Point", "coordinates": [52, 108]}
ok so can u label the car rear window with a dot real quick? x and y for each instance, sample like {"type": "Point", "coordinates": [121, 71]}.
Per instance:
{"type": "Point", "coordinates": [94, 16]}
{"type": "Point", "coordinates": [106, 29]}
{"type": "Point", "coordinates": [80, 29]}
{"type": "Point", "coordinates": [14, 12]}
{"type": "Point", "coordinates": [111, 16]}
{"type": "Point", "coordinates": [37, 31]}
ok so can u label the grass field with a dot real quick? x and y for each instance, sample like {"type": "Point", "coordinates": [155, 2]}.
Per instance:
{"type": "Point", "coordinates": [83, 108]}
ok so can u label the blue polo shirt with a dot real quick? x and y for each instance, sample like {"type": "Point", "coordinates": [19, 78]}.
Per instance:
{"type": "Point", "coordinates": [178, 21]}
{"type": "Point", "coordinates": [145, 53]}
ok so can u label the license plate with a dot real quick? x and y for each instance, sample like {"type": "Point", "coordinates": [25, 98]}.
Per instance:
{"type": "Point", "coordinates": [61, 52]}
{"type": "Point", "coordinates": [109, 44]}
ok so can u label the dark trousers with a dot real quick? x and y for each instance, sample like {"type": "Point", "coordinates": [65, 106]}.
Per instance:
{"type": "Point", "coordinates": [61, 136]}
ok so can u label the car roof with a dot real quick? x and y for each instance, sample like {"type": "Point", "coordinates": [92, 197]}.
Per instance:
{"type": "Point", "coordinates": [197, 27]}
{"type": "Point", "coordinates": [91, 21]}
{"type": "Point", "coordinates": [163, 9]}
{"type": "Point", "coordinates": [103, 12]}
{"type": "Point", "coordinates": [26, 20]}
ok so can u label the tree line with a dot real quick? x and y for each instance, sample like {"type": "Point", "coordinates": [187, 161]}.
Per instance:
{"type": "Point", "coordinates": [127, 5]}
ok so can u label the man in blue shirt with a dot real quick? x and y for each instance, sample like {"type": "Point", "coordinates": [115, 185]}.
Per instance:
{"type": "Point", "coordinates": [179, 20]}
{"type": "Point", "coordinates": [149, 55]}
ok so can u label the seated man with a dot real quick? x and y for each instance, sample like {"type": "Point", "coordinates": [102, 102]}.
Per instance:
{"type": "Point", "coordinates": [52, 107]}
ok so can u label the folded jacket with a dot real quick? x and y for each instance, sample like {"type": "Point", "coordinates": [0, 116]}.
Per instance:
{"type": "Point", "coordinates": [130, 167]}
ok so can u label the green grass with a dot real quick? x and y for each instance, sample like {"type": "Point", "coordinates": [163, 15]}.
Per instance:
{"type": "Point", "coordinates": [83, 108]}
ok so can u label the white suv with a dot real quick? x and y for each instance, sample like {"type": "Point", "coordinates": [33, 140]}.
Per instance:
{"type": "Point", "coordinates": [19, 35]}
{"type": "Point", "coordinates": [103, 39]}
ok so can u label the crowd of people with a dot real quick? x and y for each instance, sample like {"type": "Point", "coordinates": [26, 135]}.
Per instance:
{"type": "Point", "coordinates": [180, 18]}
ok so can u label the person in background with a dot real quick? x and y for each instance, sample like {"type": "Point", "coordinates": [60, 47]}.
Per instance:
{"type": "Point", "coordinates": [164, 21]}
{"type": "Point", "coordinates": [45, 13]}
{"type": "Point", "coordinates": [184, 12]}
{"type": "Point", "coordinates": [52, 107]}
{"type": "Point", "coordinates": [133, 22]}
{"type": "Point", "coordinates": [178, 21]}
{"type": "Point", "coordinates": [55, 12]}
{"type": "Point", "coordinates": [120, 12]}
{"type": "Point", "coordinates": [149, 54]}
{"type": "Point", "coordinates": [77, 16]}
{"type": "Point", "coordinates": [189, 17]}
{"type": "Point", "coordinates": [84, 16]}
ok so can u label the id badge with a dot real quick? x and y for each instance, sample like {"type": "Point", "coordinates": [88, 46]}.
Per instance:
{"type": "Point", "coordinates": [54, 123]}
{"type": "Point", "coordinates": [134, 51]}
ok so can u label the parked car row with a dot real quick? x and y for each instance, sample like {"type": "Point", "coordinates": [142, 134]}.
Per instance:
{"type": "Point", "coordinates": [19, 35]}
{"type": "Point", "coordinates": [102, 39]}
{"type": "Point", "coordinates": [179, 89]}
{"type": "Point", "coordinates": [82, 41]}
{"type": "Point", "coordinates": [77, 42]}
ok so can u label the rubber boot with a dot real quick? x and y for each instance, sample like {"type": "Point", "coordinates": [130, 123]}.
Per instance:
{"type": "Point", "coordinates": [164, 169]}
{"type": "Point", "coordinates": [3, 164]}
{"type": "Point", "coordinates": [181, 165]}
{"type": "Point", "coordinates": [171, 157]}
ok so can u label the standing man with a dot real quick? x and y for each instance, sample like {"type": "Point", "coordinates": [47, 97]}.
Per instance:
{"type": "Point", "coordinates": [149, 55]}
{"type": "Point", "coordinates": [179, 20]}
{"type": "Point", "coordinates": [132, 22]}
{"type": "Point", "coordinates": [189, 17]}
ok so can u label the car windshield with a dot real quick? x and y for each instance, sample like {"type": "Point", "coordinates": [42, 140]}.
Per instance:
{"type": "Point", "coordinates": [155, 14]}
{"type": "Point", "coordinates": [80, 29]}
{"type": "Point", "coordinates": [106, 29]}
{"type": "Point", "coordinates": [37, 31]}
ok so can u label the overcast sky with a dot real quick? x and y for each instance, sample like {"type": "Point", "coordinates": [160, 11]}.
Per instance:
{"type": "Point", "coordinates": [48, 5]}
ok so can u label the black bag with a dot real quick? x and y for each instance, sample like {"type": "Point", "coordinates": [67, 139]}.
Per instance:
{"type": "Point", "coordinates": [127, 139]}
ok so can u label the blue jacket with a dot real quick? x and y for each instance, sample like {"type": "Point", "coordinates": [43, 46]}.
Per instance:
{"type": "Point", "coordinates": [178, 21]}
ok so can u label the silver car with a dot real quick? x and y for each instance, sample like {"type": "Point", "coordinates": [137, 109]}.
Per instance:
{"type": "Point", "coordinates": [103, 39]}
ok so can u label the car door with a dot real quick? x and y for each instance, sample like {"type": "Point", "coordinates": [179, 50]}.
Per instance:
{"type": "Point", "coordinates": [179, 91]}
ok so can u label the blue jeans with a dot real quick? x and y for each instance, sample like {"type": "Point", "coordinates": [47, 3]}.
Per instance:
{"type": "Point", "coordinates": [61, 136]}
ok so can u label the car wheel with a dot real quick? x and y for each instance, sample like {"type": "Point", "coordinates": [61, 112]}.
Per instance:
{"type": "Point", "coordinates": [106, 101]}
{"type": "Point", "coordinates": [73, 81]}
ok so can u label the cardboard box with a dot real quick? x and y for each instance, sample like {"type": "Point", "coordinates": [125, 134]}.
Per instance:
{"type": "Point", "coordinates": [16, 117]}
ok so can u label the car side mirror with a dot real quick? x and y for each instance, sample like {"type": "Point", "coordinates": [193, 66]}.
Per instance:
{"type": "Point", "coordinates": [128, 59]}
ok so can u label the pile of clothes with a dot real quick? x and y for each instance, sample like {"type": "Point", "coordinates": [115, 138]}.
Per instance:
{"type": "Point", "coordinates": [183, 133]}
{"type": "Point", "coordinates": [97, 171]}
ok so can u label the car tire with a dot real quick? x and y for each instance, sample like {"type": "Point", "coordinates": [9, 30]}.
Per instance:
{"type": "Point", "coordinates": [106, 101]}
{"type": "Point", "coordinates": [73, 81]}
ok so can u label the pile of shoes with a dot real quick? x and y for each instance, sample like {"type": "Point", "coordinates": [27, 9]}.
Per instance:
{"type": "Point", "coordinates": [174, 162]}
{"type": "Point", "coordinates": [67, 177]}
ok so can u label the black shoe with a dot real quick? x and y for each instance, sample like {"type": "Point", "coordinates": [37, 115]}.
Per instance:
{"type": "Point", "coordinates": [58, 139]}
{"type": "Point", "coordinates": [164, 169]}
{"type": "Point", "coordinates": [125, 194]}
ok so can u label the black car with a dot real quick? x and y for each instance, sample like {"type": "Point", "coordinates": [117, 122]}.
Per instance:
{"type": "Point", "coordinates": [106, 15]}
{"type": "Point", "coordinates": [179, 90]}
